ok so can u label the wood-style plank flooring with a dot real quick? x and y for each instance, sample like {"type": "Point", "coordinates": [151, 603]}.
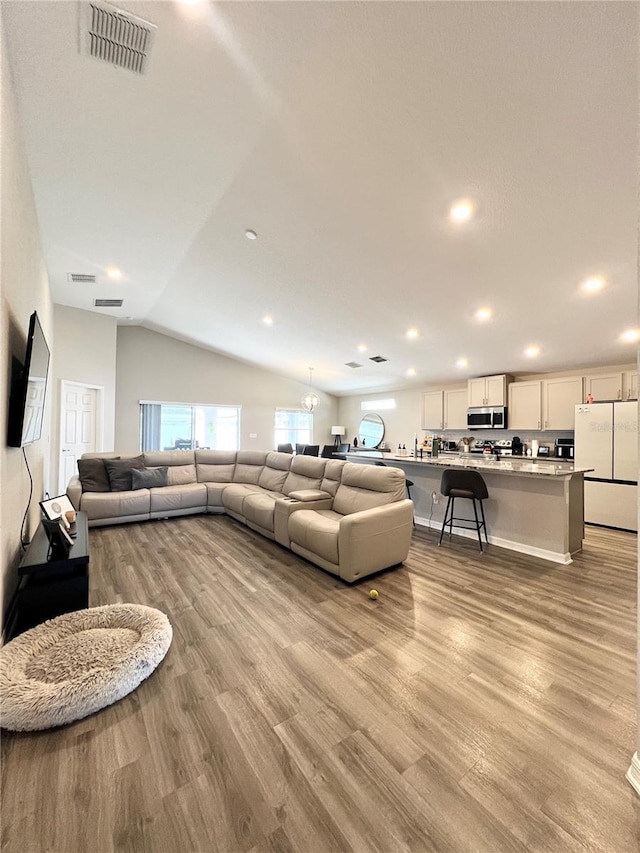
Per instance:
{"type": "Point", "coordinates": [482, 704]}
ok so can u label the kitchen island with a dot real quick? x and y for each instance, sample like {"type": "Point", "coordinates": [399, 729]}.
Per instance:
{"type": "Point", "coordinates": [534, 507]}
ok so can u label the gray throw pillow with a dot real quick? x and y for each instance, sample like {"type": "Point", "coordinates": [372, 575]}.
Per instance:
{"type": "Point", "coordinates": [93, 475]}
{"type": "Point", "coordinates": [119, 472]}
{"type": "Point", "coordinates": [149, 478]}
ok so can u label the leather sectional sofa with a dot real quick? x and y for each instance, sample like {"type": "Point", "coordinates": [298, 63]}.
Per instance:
{"type": "Point", "coordinates": [349, 519]}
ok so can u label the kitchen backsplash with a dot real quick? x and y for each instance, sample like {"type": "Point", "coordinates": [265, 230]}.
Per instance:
{"type": "Point", "coordinates": [543, 438]}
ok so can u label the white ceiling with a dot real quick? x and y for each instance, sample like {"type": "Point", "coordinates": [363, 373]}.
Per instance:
{"type": "Point", "coordinates": [341, 133]}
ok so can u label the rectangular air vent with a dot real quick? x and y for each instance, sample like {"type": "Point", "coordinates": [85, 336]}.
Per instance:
{"type": "Point", "coordinates": [114, 36]}
{"type": "Point", "coordinates": [378, 359]}
{"type": "Point", "coordinates": [108, 303]}
{"type": "Point", "coordinates": [353, 364]}
{"type": "Point", "coordinates": [81, 278]}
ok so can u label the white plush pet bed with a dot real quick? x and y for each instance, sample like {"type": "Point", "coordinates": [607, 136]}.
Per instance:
{"type": "Point", "coordinates": [76, 664]}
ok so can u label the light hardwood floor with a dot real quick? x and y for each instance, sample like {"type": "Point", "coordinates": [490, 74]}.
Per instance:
{"type": "Point", "coordinates": [482, 704]}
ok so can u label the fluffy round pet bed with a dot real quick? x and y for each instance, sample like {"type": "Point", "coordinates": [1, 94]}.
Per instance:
{"type": "Point", "coordinates": [76, 664]}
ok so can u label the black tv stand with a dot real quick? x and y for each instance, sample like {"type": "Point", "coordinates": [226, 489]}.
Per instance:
{"type": "Point", "coordinates": [50, 583]}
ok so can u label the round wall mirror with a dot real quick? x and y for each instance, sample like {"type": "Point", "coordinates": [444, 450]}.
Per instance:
{"type": "Point", "coordinates": [371, 431]}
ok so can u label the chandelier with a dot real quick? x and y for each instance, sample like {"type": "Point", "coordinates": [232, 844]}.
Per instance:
{"type": "Point", "coordinates": [310, 401]}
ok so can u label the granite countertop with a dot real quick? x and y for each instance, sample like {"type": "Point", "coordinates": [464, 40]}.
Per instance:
{"type": "Point", "coordinates": [505, 465]}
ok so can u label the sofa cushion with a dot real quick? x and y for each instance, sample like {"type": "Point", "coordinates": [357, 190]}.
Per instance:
{"type": "Point", "coordinates": [215, 466]}
{"type": "Point", "coordinates": [275, 471]}
{"type": "Point", "coordinates": [332, 476]}
{"type": "Point", "coordinates": [249, 466]}
{"type": "Point", "coordinates": [147, 478]}
{"type": "Point", "coordinates": [367, 486]}
{"type": "Point", "coordinates": [99, 505]}
{"type": "Point", "coordinates": [93, 475]}
{"type": "Point", "coordinates": [214, 493]}
{"type": "Point", "coordinates": [186, 496]}
{"type": "Point", "coordinates": [152, 459]}
{"type": "Point", "coordinates": [119, 472]}
{"type": "Point", "coordinates": [180, 475]}
{"type": "Point", "coordinates": [306, 472]}
{"type": "Point", "coordinates": [234, 495]}
{"type": "Point", "coordinates": [316, 531]}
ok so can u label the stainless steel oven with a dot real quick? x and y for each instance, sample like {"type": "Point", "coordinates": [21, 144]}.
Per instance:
{"type": "Point", "coordinates": [487, 417]}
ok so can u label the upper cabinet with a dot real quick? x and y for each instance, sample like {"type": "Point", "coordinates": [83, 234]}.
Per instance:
{"type": "Point", "coordinates": [603, 386]}
{"type": "Point", "coordinates": [455, 409]}
{"type": "Point", "coordinates": [432, 410]}
{"type": "Point", "coordinates": [560, 396]}
{"type": "Point", "coordinates": [525, 405]}
{"type": "Point", "coordinates": [630, 385]}
{"type": "Point", "coordinates": [488, 391]}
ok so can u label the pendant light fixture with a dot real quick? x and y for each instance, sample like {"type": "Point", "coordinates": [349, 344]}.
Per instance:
{"type": "Point", "coordinates": [310, 401]}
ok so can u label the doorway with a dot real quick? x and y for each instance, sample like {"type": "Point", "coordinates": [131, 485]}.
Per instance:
{"type": "Point", "coordinates": [80, 426]}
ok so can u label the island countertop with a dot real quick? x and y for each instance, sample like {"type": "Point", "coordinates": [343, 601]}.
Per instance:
{"type": "Point", "coordinates": [521, 465]}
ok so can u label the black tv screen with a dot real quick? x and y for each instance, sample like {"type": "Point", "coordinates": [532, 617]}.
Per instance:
{"type": "Point", "coordinates": [26, 407]}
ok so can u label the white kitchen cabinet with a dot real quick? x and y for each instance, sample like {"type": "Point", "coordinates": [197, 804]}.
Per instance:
{"type": "Point", "coordinates": [432, 410]}
{"type": "Point", "coordinates": [603, 386]}
{"type": "Point", "coordinates": [525, 405]}
{"type": "Point", "coordinates": [455, 409]}
{"type": "Point", "coordinates": [560, 396]}
{"type": "Point", "coordinates": [488, 390]}
{"type": "Point", "coordinates": [630, 385]}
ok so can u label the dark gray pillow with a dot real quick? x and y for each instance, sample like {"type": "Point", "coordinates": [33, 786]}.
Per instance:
{"type": "Point", "coordinates": [149, 478]}
{"type": "Point", "coordinates": [119, 472]}
{"type": "Point", "coordinates": [93, 475]}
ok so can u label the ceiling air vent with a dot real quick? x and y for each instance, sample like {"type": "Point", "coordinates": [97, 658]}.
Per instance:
{"type": "Point", "coordinates": [108, 303]}
{"type": "Point", "coordinates": [353, 364]}
{"type": "Point", "coordinates": [378, 359]}
{"type": "Point", "coordinates": [81, 278]}
{"type": "Point", "coordinates": [114, 36]}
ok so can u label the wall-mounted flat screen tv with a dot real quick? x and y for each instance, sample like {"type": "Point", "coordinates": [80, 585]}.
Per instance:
{"type": "Point", "coordinates": [28, 391]}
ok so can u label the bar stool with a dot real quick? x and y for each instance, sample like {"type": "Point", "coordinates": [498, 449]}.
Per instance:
{"type": "Point", "coordinates": [409, 483]}
{"type": "Point", "coordinates": [467, 484]}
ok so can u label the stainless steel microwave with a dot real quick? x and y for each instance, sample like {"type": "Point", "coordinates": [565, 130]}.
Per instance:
{"type": "Point", "coordinates": [487, 417]}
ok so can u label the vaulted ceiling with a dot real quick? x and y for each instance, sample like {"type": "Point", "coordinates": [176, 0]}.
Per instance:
{"type": "Point", "coordinates": [342, 133]}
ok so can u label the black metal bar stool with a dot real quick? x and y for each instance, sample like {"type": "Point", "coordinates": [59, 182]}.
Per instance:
{"type": "Point", "coordinates": [461, 483]}
{"type": "Point", "coordinates": [409, 483]}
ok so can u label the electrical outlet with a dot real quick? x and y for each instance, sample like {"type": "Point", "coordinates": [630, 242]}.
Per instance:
{"type": "Point", "coordinates": [434, 497]}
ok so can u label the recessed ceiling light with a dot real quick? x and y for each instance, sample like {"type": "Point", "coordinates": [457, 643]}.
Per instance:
{"type": "Point", "coordinates": [593, 285]}
{"type": "Point", "coordinates": [412, 333]}
{"type": "Point", "coordinates": [631, 336]}
{"type": "Point", "coordinates": [462, 362]}
{"type": "Point", "coordinates": [267, 320]}
{"type": "Point", "coordinates": [362, 347]}
{"type": "Point", "coordinates": [483, 314]}
{"type": "Point", "coordinates": [250, 235]}
{"type": "Point", "coordinates": [114, 273]}
{"type": "Point", "coordinates": [532, 351]}
{"type": "Point", "coordinates": [462, 210]}
{"type": "Point", "coordinates": [411, 371]}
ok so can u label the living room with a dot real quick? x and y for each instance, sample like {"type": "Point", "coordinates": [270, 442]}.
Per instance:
{"type": "Point", "coordinates": [134, 360]}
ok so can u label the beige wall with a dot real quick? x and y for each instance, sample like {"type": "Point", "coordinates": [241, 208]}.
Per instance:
{"type": "Point", "coordinates": [155, 367]}
{"type": "Point", "coordinates": [85, 352]}
{"type": "Point", "coordinates": [24, 287]}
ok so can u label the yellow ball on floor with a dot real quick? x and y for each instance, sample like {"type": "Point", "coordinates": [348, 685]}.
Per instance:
{"type": "Point", "coordinates": [373, 593]}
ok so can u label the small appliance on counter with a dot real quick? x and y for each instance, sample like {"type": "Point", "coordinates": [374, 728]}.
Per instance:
{"type": "Point", "coordinates": [484, 447]}
{"type": "Point", "coordinates": [449, 446]}
{"type": "Point", "coordinates": [544, 451]}
{"type": "Point", "coordinates": [509, 446]}
{"type": "Point", "coordinates": [565, 448]}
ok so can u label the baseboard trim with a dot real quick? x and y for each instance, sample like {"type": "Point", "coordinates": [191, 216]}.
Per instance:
{"type": "Point", "coordinates": [633, 773]}
{"type": "Point", "coordinates": [541, 553]}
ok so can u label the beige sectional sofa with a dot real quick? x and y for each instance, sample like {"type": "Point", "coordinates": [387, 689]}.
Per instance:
{"type": "Point", "coordinates": [349, 519]}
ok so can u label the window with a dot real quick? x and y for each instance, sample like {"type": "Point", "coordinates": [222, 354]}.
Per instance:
{"type": "Point", "coordinates": [375, 405]}
{"type": "Point", "coordinates": [172, 426]}
{"type": "Point", "coordinates": [293, 426]}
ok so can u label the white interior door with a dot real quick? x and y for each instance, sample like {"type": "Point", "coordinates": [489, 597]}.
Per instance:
{"type": "Point", "coordinates": [79, 427]}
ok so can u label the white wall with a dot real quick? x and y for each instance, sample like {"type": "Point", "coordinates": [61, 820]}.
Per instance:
{"type": "Point", "coordinates": [151, 366]}
{"type": "Point", "coordinates": [24, 287]}
{"type": "Point", "coordinates": [85, 352]}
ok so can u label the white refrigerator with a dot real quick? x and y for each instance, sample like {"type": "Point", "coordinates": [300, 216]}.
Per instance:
{"type": "Point", "coordinates": [606, 436]}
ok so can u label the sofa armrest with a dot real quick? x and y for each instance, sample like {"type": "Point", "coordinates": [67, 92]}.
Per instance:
{"type": "Point", "coordinates": [307, 495]}
{"type": "Point", "coordinates": [374, 539]}
{"type": "Point", "coordinates": [74, 491]}
{"type": "Point", "coordinates": [285, 505]}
